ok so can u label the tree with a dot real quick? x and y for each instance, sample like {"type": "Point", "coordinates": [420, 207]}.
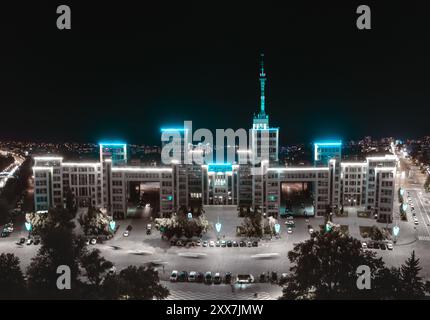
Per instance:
{"type": "Point", "coordinates": [376, 234]}
{"type": "Point", "coordinates": [96, 266]}
{"type": "Point", "coordinates": [60, 246]}
{"type": "Point", "coordinates": [12, 284]}
{"type": "Point", "coordinates": [181, 225]}
{"type": "Point", "coordinates": [252, 225]}
{"type": "Point", "coordinates": [325, 266]}
{"type": "Point", "coordinates": [135, 283]}
{"type": "Point", "coordinates": [412, 285]}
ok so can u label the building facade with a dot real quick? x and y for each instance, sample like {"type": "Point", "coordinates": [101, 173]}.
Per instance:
{"type": "Point", "coordinates": [255, 179]}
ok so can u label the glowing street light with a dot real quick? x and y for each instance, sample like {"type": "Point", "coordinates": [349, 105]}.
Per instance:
{"type": "Point", "coordinates": [396, 231]}
{"type": "Point", "coordinates": [112, 225]}
{"type": "Point", "coordinates": [218, 226]}
{"type": "Point", "coordinates": [28, 226]}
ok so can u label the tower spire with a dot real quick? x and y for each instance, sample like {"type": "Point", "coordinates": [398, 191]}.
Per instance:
{"type": "Point", "coordinates": [262, 85]}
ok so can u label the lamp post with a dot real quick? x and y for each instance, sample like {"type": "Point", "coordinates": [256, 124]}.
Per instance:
{"type": "Point", "coordinates": [277, 229]}
{"type": "Point", "coordinates": [396, 231]}
{"type": "Point", "coordinates": [112, 225]}
{"type": "Point", "coordinates": [28, 227]}
{"type": "Point", "coordinates": [218, 228]}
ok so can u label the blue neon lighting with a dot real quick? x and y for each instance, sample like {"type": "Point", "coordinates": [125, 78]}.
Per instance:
{"type": "Point", "coordinates": [112, 144]}
{"type": "Point", "coordinates": [220, 167]}
{"type": "Point", "coordinates": [328, 144]}
{"type": "Point", "coordinates": [173, 129]}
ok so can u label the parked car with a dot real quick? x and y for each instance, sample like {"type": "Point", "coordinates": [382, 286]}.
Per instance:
{"type": "Point", "coordinates": [218, 243]}
{"type": "Point", "coordinates": [217, 278]}
{"type": "Point", "coordinates": [192, 276]}
{"type": "Point", "coordinates": [21, 241]}
{"type": "Point", "coordinates": [148, 231]}
{"type": "Point", "coordinates": [255, 243]}
{"type": "Point", "coordinates": [274, 277]}
{"type": "Point", "coordinates": [283, 278]}
{"type": "Point", "coordinates": [211, 243]}
{"type": "Point", "coordinates": [383, 246]}
{"type": "Point", "coordinates": [262, 277]}
{"type": "Point", "coordinates": [199, 243]}
{"type": "Point", "coordinates": [249, 244]}
{"type": "Point", "coordinates": [174, 276]}
{"type": "Point", "coordinates": [311, 230]}
{"type": "Point", "coordinates": [376, 245]}
{"type": "Point", "coordinates": [183, 276]}
{"type": "Point", "coordinates": [205, 243]}
{"type": "Point", "coordinates": [389, 246]}
{"type": "Point", "coordinates": [223, 243]}
{"type": "Point", "coordinates": [200, 277]}
{"type": "Point", "coordinates": [235, 243]}
{"type": "Point", "coordinates": [36, 241]}
{"type": "Point", "coordinates": [179, 243]}
{"type": "Point", "coordinates": [4, 234]}
{"type": "Point", "coordinates": [125, 234]}
{"type": "Point", "coordinates": [229, 243]}
{"type": "Point", "coordinates": [364, 245]}
{"type": "Point", "coordinates": [93, 241]}
{"type": "Point", "coordinates": [129, 227]}
{"type": "Point", "coordinates": [244, 278]}
{"type": "Point", "coordinates": [29, 241]}
{"type": "Point", "coordinates": [227, 277]}
{"type": "Point", "coordinates": [242, 244]}
{"type": "Point", "coordinates": [172, 242]}
{"type": "Point", "coordinates": [208, 277]}
{"type": "Point", "coordinates": [289, 230]}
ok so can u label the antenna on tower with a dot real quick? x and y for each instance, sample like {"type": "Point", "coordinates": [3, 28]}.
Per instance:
{"type": "Point", "coordinates": [262, 85]}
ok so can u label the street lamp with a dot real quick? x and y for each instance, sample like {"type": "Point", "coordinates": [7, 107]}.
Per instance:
{"type": "Point", "coordinates": [218, 227]}
{"type": "Point", "coordinates": [112, 225]}
{"type": "Point", "coordinates": [28, 227]}
{"type": "Point", "coordinates": [277, 228]}
{"type": "Point", "coordinates": [396, 231]}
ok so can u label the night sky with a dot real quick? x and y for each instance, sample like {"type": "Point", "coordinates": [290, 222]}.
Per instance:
{"type": "Point", "coordinates": [124, 71]}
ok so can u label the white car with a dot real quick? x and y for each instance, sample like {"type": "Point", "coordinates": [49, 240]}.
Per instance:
{"type": "Point", "coordinates": [93, 241]}
{"type": "Point", "coordinates": [211, 243]}
{"type": "Point", "coordinates": [174, 276]}
{"type": "Point", "coordinates": [192, 276]}
{"type": "Point", "coordinates": [29, 241]}
{"type": "Point", "coordinates": [217, 278]}
{"type": "Point", "coordinates": [416, 221]}
{"type": "Point", "coordinates": [389, 246]}
{"type": "Point", "coordinates": [289, 230]}
{"type": "Point", "coordinates": [311, 230]}
{"type": "Point", "coordinates": [364, 245]}
{"type": "Point", "coordinates": [126, 233]}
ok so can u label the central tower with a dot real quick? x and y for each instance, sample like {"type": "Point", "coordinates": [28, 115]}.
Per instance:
{"type": "Point", "coordinates": [261, 119]}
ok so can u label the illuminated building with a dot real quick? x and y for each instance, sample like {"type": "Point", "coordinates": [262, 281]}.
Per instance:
{"type": "Point", "coordinates": [254, 180]}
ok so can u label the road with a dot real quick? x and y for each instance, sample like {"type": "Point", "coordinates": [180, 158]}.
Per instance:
{"type": "Point", "coordinates": [10, 170]}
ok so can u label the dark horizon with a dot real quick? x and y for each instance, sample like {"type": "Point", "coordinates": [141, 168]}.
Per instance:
{"type": "Point", "coordinates": [123, 72]}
